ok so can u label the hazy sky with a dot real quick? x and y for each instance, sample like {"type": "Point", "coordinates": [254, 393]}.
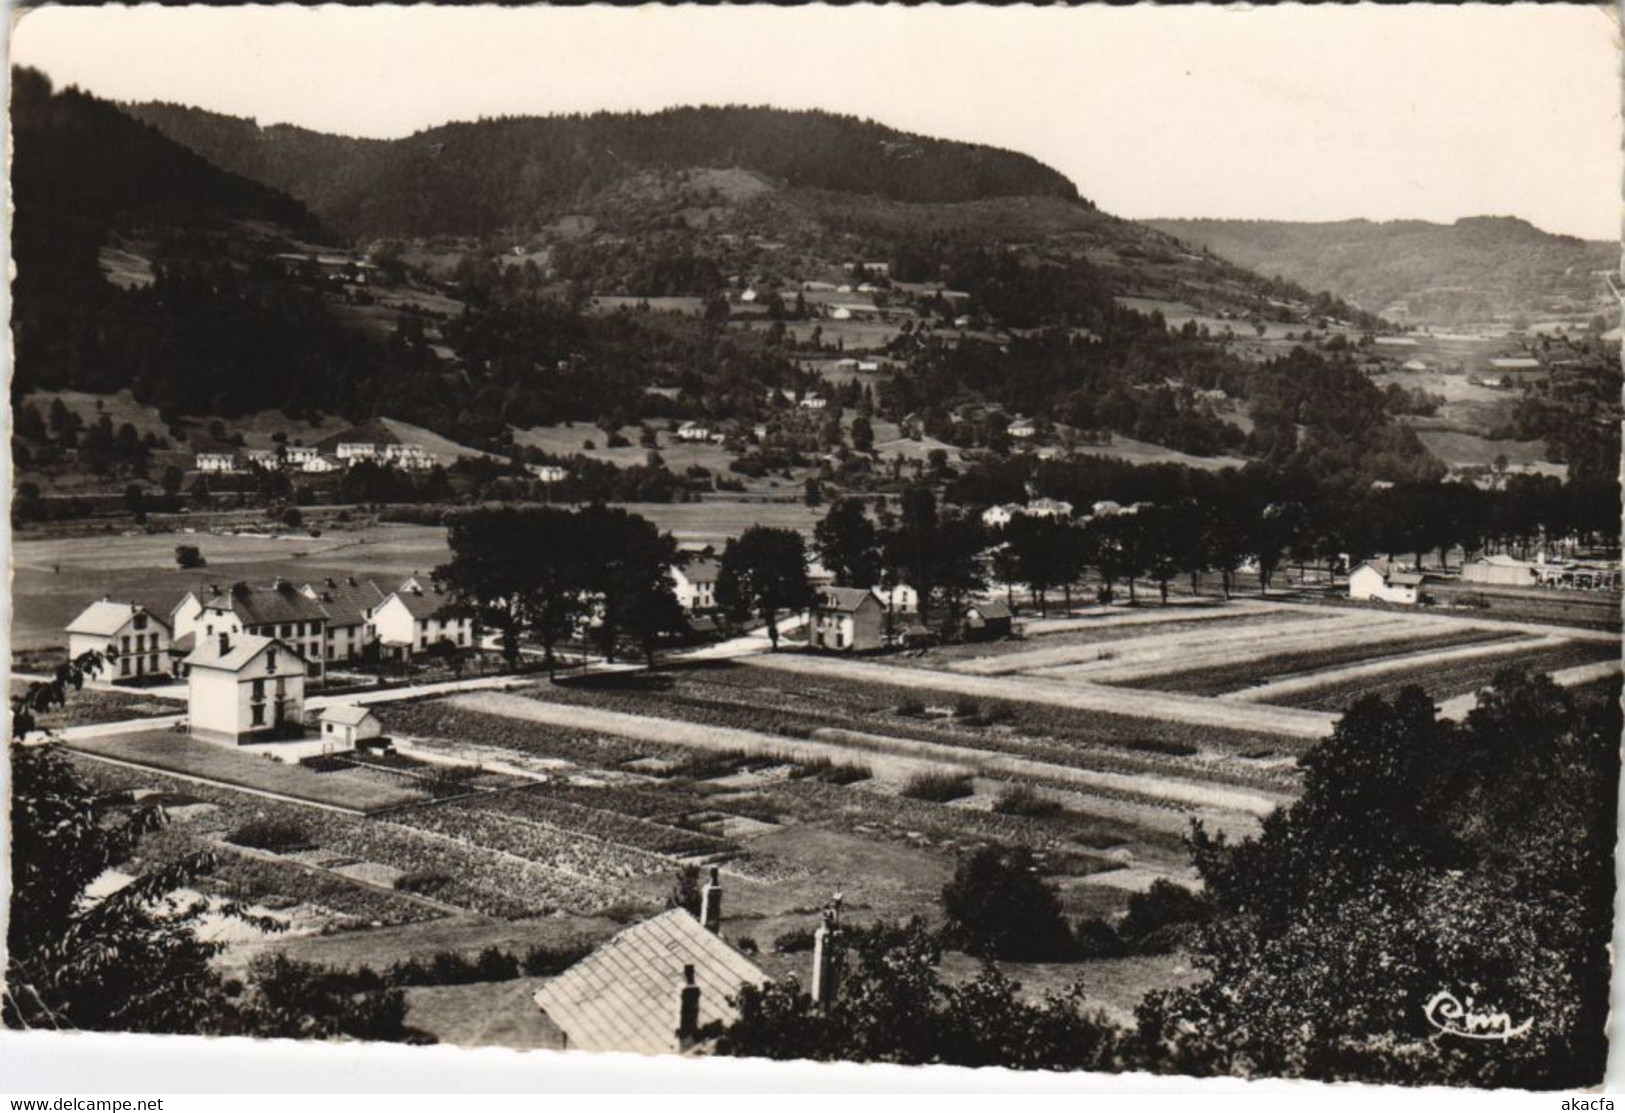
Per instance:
{"type": "Point", "coordinates": [1288, 113]}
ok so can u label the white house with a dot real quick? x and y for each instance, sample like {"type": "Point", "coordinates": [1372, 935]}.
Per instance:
{"type": "Point", "coordinates": [216, 463]}
{"type": "Point", "coordinates": [849, 619]}
{"type": "Point", "coordinates": [1022, 428]}
{"type": "Point", "coordinates": [814, 402]}
{"type": "Point", "coordinates": [244, 688]}
{"type": "Point", "coordinates": [347, 603]}
{"type": "Point", "coordinates": [548, 473]}
{"type": "Point", "coordinates": [301, 454]}
{"type": "Point", "coordinates": [319, 465]}
{"type": "Point", "coordinates": [262, 458]}
{"type": "Point", "coordinates": [693, 431]}
{"type": "Point", "coordinates": [345, 724]}
{"type": "Point", "coordinates": [1375, 580]}
{"type": "Point", "coordinates": [135, 641]}
{"type": "Point", "coordinates": [407, 457]}
{"type": "Point", "coordinates": [413, 618]}
{"type": "Point", "coordinates": [696, 584]}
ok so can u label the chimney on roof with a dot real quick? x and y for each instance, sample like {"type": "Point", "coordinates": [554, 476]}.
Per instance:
{"type": "Point", "coordinates": [688, 1009]}
{"type": "Point", "coordinates": [826, 971]}
{"type": "Point", "coordinates": [711, 903]}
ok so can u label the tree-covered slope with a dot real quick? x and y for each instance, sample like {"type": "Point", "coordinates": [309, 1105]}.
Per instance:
{"type": "Point", "coordinates": [520, 172]}
{"type": "Point", "coordinates": [1472, 270]}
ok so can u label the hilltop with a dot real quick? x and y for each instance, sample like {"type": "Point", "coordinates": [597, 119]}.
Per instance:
{"type": "Point", "coordinates": [477, 178]}
{"type": "Point", "coordinates": [1477, 269]}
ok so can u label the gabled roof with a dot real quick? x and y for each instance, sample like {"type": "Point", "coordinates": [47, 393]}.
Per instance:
{"type": "Point", "coordinates": [105, 618]}
{"type": "Point", "coordinates": [1405, 579]}
{"type": "Point", "coordinates": [422, 605]}
{"type": "Point", "coordinates": [258, 606]}
{"type": "Point", "coordinates": [240, 652]}
{"type": "Point", "coordinates": [991, 609]}
{"type": "Point", "coordinates": [844, 599]}
{"type": "Point", "coordinates": [623, 996]}
{"type": "Point", "coordinates": [346, 714]}
{"type": "Point", "coordinates": [345, 601]}
{"type": "Point", "coordinates": [700, 571]}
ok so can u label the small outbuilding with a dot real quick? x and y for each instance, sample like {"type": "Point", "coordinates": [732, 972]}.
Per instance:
{"type": "Point", "coordinates": [1376, 580]}
{"type": "Point", "coordinates": [346, 725]}
{"type": "Point", "coordinates": [988, 622]}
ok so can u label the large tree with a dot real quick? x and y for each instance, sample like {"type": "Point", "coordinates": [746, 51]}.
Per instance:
{"type": "Point", "coordinates": [764, 571]}
{"type": "Point", "coordinates": [848, 544]}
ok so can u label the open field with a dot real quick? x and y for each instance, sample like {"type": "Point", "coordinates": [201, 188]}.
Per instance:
{"type": "Point", "coordinates": [167, 751]}
{"type": "Point", "coordinates": [570, 440]}
{"type": "Point", "coordinates": [96, 705]}
{"type": "Point", "coordinates": [54, 579]}
{"type": "Point", "coordinates": [1459, 450]}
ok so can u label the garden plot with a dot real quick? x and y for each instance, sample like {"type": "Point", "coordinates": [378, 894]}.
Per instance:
{"type": "Point", "coordinates": [1160, 655]}
{"type": "Point", "coordinates": [1449, 680]}
{"type": "Point", "coordinates": [1493, 644]}
{"type": "Point", "coordinates": [1125, 641]}
{"type": "Point", "coordinates": [1150, 706]}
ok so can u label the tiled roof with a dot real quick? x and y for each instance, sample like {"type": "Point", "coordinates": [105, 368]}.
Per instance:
{"type": "Point", "coordinates": [347, 601]}
{"type": "Point", "coordinates": [843, 599]}
{"type": "Point", "coordinates": [241, 651]}
{"type": "Point", "coordinates": [424, 604]}
{"type": "Point", "coordinates": [258, 606]}
{"type": "Point", "coordinates": [106, 618]}
{"type": "Point", "coordinates": [993, 608]}
{"type": "Point", "coordinates": [623, 996]}
{"type": "Point", "coordinates": [701, 571]}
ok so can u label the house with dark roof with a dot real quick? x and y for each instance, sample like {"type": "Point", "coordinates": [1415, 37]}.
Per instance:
{"type": "Point", "coordinates": [696, 584]}
{"type": "Point", "coordinates": [280, 611]}
{"type": "Point", "coordinates": [988, 621]}
{"type": "Point", "coordinates": [415, 617]}
{"type": "Point", "coordinates": [348, 603]}
{"type": "Point", "coordinates": [651, 989]}
{"type": "Point", "coordinates": [847, 619]}
{"type": "Point", "coordinates": [374, 440]}
{"type": "Point", "coordinates": [134, 638]}
{"type": "Point", "coordinates": [244, 688]}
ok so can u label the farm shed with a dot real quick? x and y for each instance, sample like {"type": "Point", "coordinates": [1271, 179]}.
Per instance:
{"type": "Point", "coordinates": [987, 622]}
{"type": "Point", "coordinates": [849, 619]}
{"type": "Point", "coordinates": [650, 989]}
{"type": "Point", "coordinates": [345, 725]}
{"type": "Point", "coordinates": [1376, 580]}
{"type": "Point", "coordinates": [135, 640]}
{"type": "Point", "coordinates": [1501, 570]}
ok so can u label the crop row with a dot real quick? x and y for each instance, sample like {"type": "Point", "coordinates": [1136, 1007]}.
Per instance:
{"type": "Point", "coordinates": [560, 850]}
{"type": "Point", "coordinates": [1243, 673]}
{"type": "Point", "coordinates": [445, 720]}
{"type": "Point", "coordinates": [597, 823]}
{"type": "Point", "coordinates": [1447, 680]}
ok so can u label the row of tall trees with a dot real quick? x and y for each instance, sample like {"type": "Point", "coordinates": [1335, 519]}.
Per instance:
{"type": "Point", "coordinates": [549, 572]}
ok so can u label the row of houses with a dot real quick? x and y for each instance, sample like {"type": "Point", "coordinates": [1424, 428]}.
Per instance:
{"type": "Point", "coordinates": [373, 441]}
{"type": "Point", "coordinates": [323, 622]}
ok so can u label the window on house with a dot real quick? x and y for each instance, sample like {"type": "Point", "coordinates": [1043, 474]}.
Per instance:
{"type": "Point", "coordinates": [259, 689]}
{"type": "Point", "coordinates": [124, 644]}
{"type": "Point", "coordinates": [257, 713]}
{"type": "Point", "coordinates": [124, 667]}
{"type": "Point", "coordinates": [270, 660]}
{"type": "Point", "coordinates": [287, 629]}
{"type": "Point", "coordinates": [140, 622]}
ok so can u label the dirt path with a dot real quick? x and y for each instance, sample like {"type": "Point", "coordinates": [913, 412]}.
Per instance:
{"type": "Point", "coordinates": [1290, 722]}
{"type": "Point", "coordinates": [1407, 662]}
{"type": "Point", "coordinates": [888, 758]}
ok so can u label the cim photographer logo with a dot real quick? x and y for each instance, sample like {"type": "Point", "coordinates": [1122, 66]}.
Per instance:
{"type": "Point", "coordinates": [1461, 1016]}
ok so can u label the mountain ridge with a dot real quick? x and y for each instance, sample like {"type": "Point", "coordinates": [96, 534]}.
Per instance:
{"type": "Point", "coordinates": [1476, 268]}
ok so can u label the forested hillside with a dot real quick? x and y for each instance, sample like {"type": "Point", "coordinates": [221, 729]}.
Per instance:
{"type": "Point", "coordinates": [1473, 270]}
{"type": "Point", "coordinates": [476, 178]}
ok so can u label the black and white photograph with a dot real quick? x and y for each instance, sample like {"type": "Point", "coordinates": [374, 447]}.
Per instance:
{"type": "Point", "coordinates": [1079, 540]}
